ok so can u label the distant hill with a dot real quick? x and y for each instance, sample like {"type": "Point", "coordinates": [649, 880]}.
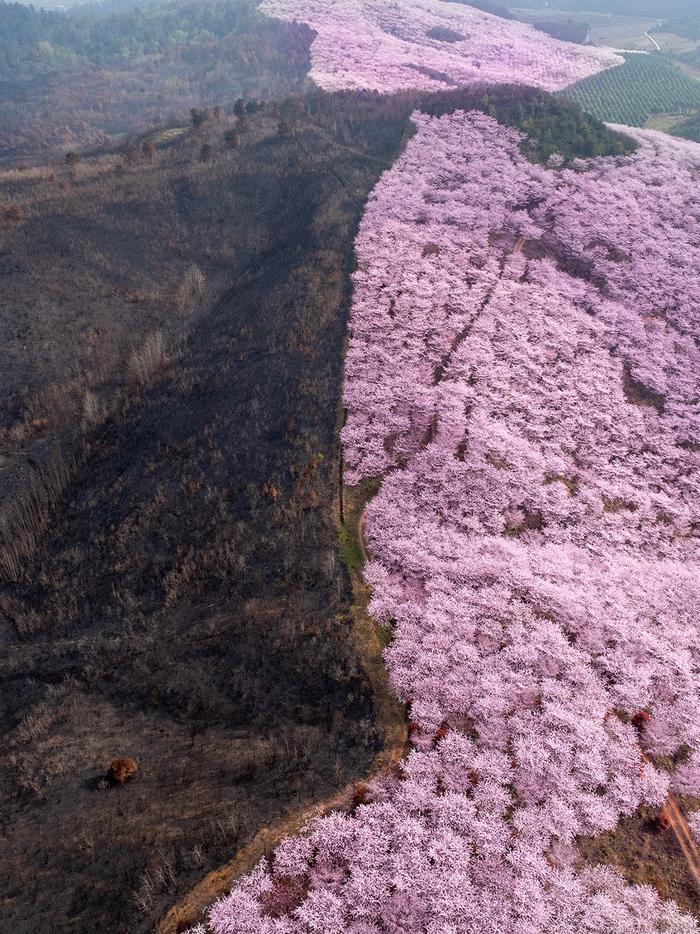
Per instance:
{"type": "Point", "coordinates": [34, 41]}
{"type": "Point", "coordinates": [75, 80]}
{"type": "Point", "coordinates": [687, 26]}
{"type": "Point", "coordinates": [650, 8]}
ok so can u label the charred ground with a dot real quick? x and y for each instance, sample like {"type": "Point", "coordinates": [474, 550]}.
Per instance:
{"type": "Point", "coordinates": [185, 604]}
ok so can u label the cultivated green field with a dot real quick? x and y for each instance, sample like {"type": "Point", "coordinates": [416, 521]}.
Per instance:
{"type": "Point", "coordinates": [633, 92]}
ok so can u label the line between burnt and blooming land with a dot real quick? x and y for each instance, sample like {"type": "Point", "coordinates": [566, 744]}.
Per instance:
{"type": "Point", "coordinates": [192, 908]}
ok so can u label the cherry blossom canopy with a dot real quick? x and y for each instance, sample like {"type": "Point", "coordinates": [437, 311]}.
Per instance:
{"type": "Point", "coordinates": [394, 45]}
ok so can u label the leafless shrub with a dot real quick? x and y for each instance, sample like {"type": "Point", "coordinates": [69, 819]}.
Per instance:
{"type": "Point", "coordinates": [55, 404]}
{"type": "Point", "coordinates": [155, 880]}
{"type": "Point", "coordinates": [23, 520]}
{"type": "Point", "coordinates": [34, 755]}
{"type": "Point", "coordinates": [147, 362]}
{"type": "Point", "coordinates": [197, 855]}
{"type": "Point", "coordinates": [190, 290]}
{"type": "Point", "coordinates": [19, 432]}
{"type": "Point", "coordinates": [35, 724]}
{"type": "Point", "coordinates": [178, 578]}
{"type": "Point", "coordinates": [229, 828]}
{"type": "Point", "coordinates": [145, 895]}
{"type": "Point", "coordinates": [27, 623]}
{"type": "Point", "coordinates": [70, 402]}
{"type": "Point", "coordinates": [92, 410]}
{"type": "Point", "coordinates": [12, 214]}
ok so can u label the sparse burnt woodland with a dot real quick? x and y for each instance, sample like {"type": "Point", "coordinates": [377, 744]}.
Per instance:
{"type": "Point", "coordinates": [90, 76]}
{"type": "Point", "coordinates": [178, 664]}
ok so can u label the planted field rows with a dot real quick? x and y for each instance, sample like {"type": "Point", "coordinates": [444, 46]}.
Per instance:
{"type": "Point", "coordinates": [644, 85]}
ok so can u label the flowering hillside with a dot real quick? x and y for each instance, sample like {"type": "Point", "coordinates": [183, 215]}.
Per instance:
{"type": "Point", "coordinates": [392, 45]}
{"type": "Point", "coordinates": [524, 372]}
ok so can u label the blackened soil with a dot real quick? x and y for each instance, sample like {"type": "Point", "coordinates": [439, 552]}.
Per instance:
{"type": "Point", "coordinates": [187, 607]}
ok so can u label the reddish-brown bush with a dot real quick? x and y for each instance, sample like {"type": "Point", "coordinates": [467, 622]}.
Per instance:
{"type": "Point", "coordinates": [122, 769]}
{"type": "Point", "coordinates": [360, 794]}
{"type": "Point", "coordinates": [640, 719]}
{"type": "Point", "coordinates": [287, 894]}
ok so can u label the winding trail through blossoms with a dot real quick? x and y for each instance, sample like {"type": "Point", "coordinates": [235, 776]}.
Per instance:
{"type": "Point", "coordinates": [683, 834]}
{"type": "Point", "coordinates": [361, 536]}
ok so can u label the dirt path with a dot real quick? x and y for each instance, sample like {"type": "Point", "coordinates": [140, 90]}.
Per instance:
{"type": "Point", "coordinates": [652, 39]}
{"type": "Point", "coordinates": [464, 333]}
{"type": "Point", "coordinates": [190, 910]}
{"type": "Point", "coordinates": [361, 536]}
{"type": "Point", "coordinates": [682, 832]}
